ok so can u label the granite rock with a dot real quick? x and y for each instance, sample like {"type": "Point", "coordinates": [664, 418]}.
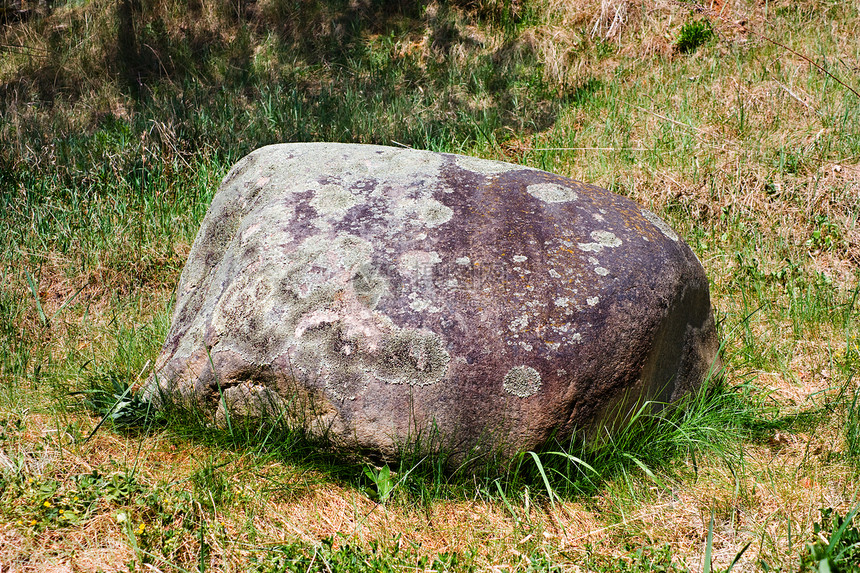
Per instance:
{"type": "Point", "coordinates": [379, 295]}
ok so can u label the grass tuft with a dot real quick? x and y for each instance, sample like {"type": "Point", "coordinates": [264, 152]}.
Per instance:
{"type": "Point", "coordinates": [694, 34]}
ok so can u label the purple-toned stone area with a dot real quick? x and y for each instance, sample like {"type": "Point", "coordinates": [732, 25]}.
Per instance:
{"type": "Point", "coordinates": [378, 295]}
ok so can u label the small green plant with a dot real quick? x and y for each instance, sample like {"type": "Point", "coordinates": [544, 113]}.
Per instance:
{"type": "Point", "coordinates": [825, 235]}
{"type": "Point", "coordinates": [383, 482]}
{"type": "Point", "coordinates": [838, 553]}
{"type": "Point", "coordinates": [693, 34]}
{"type": "Point", "coordinates": [41, 503]}
{"type": "Point", "coordinates": [119, 403]}
{"type": "Point", "coordinates": [645, 559]}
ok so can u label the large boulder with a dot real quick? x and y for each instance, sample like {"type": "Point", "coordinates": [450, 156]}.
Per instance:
{"type": "Point", "coordinates": [387, 297]}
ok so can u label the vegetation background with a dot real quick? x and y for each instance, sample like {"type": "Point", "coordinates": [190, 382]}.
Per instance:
{"type": "Point", "coordinates": [736, 120]}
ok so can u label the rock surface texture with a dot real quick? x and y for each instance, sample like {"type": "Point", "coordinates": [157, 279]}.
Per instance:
{"type": "Point", "coordinates": [382, 295]}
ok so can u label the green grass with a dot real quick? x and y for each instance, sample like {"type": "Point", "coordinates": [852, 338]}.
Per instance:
{"type": "Point", "coordinates": [112, 146]}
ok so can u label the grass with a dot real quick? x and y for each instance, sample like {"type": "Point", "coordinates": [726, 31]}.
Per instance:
{"type": "Point", "coordinates": [118, 121]}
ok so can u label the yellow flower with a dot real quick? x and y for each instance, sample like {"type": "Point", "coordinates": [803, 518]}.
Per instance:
{"type": "Point", "coordinates": [47, 504]}
{"type": "Point", "coordinates": [62, 511]}
{"type": "Point", "coordinates": [32, 522]}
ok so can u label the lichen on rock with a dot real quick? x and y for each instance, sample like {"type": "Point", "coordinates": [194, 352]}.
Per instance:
{"type": "Point", "coordinates": [522, 381]}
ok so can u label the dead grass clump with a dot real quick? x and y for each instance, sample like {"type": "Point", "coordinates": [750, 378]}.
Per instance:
{"type": "Point", "coordinates": [614, 15]}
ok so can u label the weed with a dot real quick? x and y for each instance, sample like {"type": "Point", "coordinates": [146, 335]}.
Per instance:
{"type": "Point", "coordinates": [836, 546]}
{"type": "Point", "coordinates": [211, 488]}
{"type": "Point", "coordinates": [826, 235]}
{"type": "Point", "coordinates": [382, 480]}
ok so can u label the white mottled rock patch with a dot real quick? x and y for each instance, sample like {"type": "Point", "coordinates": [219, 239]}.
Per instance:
{"type": "Point", "coordinates": [333, 200]}
{"type": "Point", "coordinates": [601, 240]}
{"type": "Point", "coordinates": [552, 193]}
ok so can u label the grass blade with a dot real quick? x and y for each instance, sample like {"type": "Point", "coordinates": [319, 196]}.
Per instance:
{"type": "Point", "coordinates": [645, 469]}
{"type": "Point", "coordinates": [549, 489]}
{"type": "Point", "coordinates": [68, 300]}
{"type": "Point", "coordinates": [706, 568]}
{"type": "Point", "coordinates": [576, 460]}
{"type": "Point", "coordinates": [837, 535]}
{"type": "Point", "coordinates": [738, 557]}
{"type": "Point", "coordinates": [35, 294]}
{"type": "Point", "coordinates": [507, 503]}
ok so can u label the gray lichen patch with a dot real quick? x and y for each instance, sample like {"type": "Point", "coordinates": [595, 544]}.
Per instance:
{"type": "Point", "coordinates": [519, 324]}
{"type": "Point", "coordinates": [425, 211]}
{"type": "Point", "coordinates": [369, 285]}
{"type": "Point", "coordinates": [413, 357]}
{"type": "Point", "coordinates": [333, 200]}
{"type": "Point", "coordinates": [419, 304]}
{"type": "Point", "coordinates": [601, 240]}
{"type": "Point", "coordinates": [344, 251]}
{"type": "Point", "coordinates": [415, 262]}
{"type": "Point", "coordinates": [660, 224]}
{"type": "Point", "coordinates": [345, 385]}
{"type": "Point", "coordinates": [552, 192]}
{"type": "Point", "coordinates": [522, 381]}
{"type": "Point", "coordinates": [434, 213]}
